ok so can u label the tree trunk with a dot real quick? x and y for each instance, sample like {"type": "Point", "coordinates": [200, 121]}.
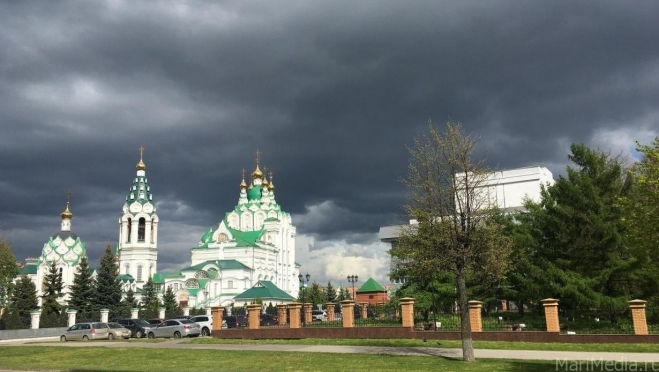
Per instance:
{"type": "Point", "coordinates": [465, 324]}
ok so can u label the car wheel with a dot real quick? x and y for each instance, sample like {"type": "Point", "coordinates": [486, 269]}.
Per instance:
{"type": "Point", "coordinates": [63, 338]}
{"type": "Point", "coordinates": [110, 336]}
{"type": "Point", "coordinates": [138, 334]}
{"type": "Point", "coordinates": [151, 335]}
{"type": "Point", "coordinates": [177, 334]}
{"type": "Point", "coordinates": [85, 338]}
{"type": "Point", "coordinates": [205, 332]}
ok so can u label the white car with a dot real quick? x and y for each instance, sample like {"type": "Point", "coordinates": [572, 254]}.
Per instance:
{"type": "Point", "coordinates": [206, 323]}
{"type": "Point", "coordinates": [318, 316]}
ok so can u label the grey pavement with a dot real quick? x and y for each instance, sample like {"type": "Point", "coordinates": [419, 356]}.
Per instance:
{"type": "Point", "coordinates": [414, 351]}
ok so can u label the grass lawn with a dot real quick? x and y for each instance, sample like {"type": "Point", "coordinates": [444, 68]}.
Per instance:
{"type": "Point", "coordinates": [138, 359]}
{"type": "Point", "coordinates": [634, 348]}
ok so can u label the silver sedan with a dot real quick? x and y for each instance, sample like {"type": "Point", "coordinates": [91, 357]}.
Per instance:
{"type": "Point", "coordinates": [175, 328]}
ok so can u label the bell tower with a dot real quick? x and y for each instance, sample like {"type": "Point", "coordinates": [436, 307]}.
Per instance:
{"type": "Point", "coordinates": [138, 229]}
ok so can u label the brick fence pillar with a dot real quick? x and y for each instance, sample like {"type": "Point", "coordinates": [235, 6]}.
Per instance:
{"type": "Point", "coordinates": [348, 313]}
{"type": "Point", "coordinates": [504, 305]}
{"type": "Point", "coordinates": [551, 314]}
{"type": "Point", "coordinates": [294, 314]}
{"type": "Point", "coordinates": [638, 316]}
{"type": "Point", "coordinates": [217, 313]}
{"type": "Point", "coordinates": [407, 311]}
{"type": "Point", "coordinates": [330, 311]}
{"type": "Point", "coordinates": [281, 314]}
{"type": "Point", "coordinates": [253, 316]}
{"type": "Point", "coordinates": [307, 312]}
{"type": "Point", "coordinates": [475, 319]}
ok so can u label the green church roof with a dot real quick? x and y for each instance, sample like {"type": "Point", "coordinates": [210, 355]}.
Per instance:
{"type": "Point", "coordinates": [221, 264]}
{"type": "Point", "coordinates": [264, 290]}
{"type": "Point", "coordinates": [160, 278]}
{"type": "Point", "coordinates": [30, 269]}
{"type": "Point", "coordinates": [246, 238]}
{"type": "Point", "coordinates": [371, 286]}
{"type": "Point", "coordinates": [126, 278]}
{"type": "Point", "coordinates": [140, 192]}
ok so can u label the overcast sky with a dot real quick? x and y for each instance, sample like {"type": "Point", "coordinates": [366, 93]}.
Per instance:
{"type": "Point", "coordinates": [329, 91]}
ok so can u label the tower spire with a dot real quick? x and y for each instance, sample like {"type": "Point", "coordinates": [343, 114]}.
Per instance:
{"type": "Point", "coordinates": [243, 185]}
{"type": "Point", "coordinates": [141, 166]}
{"type": "Point", "coordinates": [271, 185]}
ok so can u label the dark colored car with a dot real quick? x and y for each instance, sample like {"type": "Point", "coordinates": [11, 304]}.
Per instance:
{"type": "Point", "coordinates": [236, 321]}
{"type": "Point", "coordinates": [138, 327]}
{"type": "Point", "coordinates": [269, 320]}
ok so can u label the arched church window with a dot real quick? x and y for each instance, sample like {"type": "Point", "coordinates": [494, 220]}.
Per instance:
{"type": "Point", "coordinates": [191, 283]}
{"type": "Point", "coordinates": [201, 274]}
{"type": "Point", "coordinates": [130, 228]}
{"type": "Point", "coordinates": [127, 268]}
{"type": "Point", "coordinates": [139, 273]}
{"type": "Point", "coordinates": [140, 229]}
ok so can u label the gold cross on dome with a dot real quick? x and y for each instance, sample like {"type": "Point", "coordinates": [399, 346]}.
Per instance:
{"type": "Point", "coordinates": [258, 153]}
{"type": "Point", "coordinates": [141, 152]}
{"type": "Point", "coordinates": [243, 173]}
{"type": "Point", "coordinates": [68, 196]}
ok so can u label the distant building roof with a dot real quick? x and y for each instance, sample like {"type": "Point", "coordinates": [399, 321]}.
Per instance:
{"type": "Point", "coordinates": [264, 290]}
{"type": "Point", "coordinates": [371, 286]}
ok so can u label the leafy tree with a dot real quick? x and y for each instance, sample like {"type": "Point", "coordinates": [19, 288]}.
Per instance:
{"type": "Point", "coordinates": [150, 302]}
{"type": "Point", "coordinates": [172, 308]}
{"type": "Point", "coordinates": [315, 295]}
{"type": "Point", "coordinates": [457, 228]}
{"type": "Point", "coordinates": [82, 290]}
{"type": "Point", "coordinates": [8, 271]}
{"type": "Point", "coordinates": [330, 292]}
{"type": "Point", "coordinates": [108, 284]}
{"type": "Point", "coordinates": [640, 219]}
{"type": "Point", "coordinates": [579, 237]}
{"type": "Point", "coordinates": [52, 291]}
{"type": "Point", "coordinates": [271, 310]}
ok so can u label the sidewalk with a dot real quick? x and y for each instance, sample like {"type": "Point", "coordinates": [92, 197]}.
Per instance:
{"type": "Point", "coordinates": [415, 351]}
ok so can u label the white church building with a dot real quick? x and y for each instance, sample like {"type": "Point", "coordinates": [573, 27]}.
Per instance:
{"type": "Point", "coordinates": [252, 247]}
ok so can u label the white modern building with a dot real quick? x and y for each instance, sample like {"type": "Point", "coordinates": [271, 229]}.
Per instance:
{"type": "Point", "coordinates": [507, 190]}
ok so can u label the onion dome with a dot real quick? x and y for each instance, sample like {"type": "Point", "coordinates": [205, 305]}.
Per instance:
{"type": "Point", "coordinates": [254, 193]}
{"type": "Point", "coordinates": [265, 181]}
{"type": "Point", "coordinates": [243, 185]}
{"type": "Point", "coordinates": [257, 173]}
{"type": "Point", "coordinates": [67, 213]}
{"type": "Point", "coordinates": [271, 185]}
{"type": "Point", "coordinates": [141, 165]}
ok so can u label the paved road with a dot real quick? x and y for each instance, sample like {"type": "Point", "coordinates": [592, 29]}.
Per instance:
{"type": "Point", "coordinates": [416, 351]}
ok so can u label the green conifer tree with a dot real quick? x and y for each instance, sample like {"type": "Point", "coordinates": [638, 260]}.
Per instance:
{"type": "Point", "coordinates": [52, 291]}
{"type": "Point", "coordinates": [23, 300]}
{"type": "Point", "coordinates": [330, 292]}
{"type": "Point", "coordinates": [172, 308]}
{"type": "Point", "coordinates": [150, 301]}
{"type": "Point", "coordinates": [108, 285]}
{"type": "Point", "coordinates": [82, 291]}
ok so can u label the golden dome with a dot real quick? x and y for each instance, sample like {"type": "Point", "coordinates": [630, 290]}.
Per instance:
{"type": "Point", "coordinates": [257, 173]}
{"type": "Point", "coordinates": [243, 185]}
{"type": "Point", "coordinates": [271, 186]}
{"type": "Point", "coordinates": [67, 213]}
{"type": "Point", "coordinates": [265, 181]}
{"type": "Point", "coordinates": [141, 165]}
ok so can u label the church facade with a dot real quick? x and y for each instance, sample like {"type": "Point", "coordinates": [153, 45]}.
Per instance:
{"type": "Point", "coordinates": [252, 247]}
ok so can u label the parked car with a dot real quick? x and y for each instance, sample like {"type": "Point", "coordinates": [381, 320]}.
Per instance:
{"type": "Point", "coordinates": [138, 327]}
{"type": "Point", "coordinates": [318, 316]}
{"type": "Point", "coordinates": [118, 331]}
{"type": "Point", "coordinates": [206, 323]}
{"type": "Point", "coordinates": [86, 332]}
{"type": "Point", "coordinates": [154, 322]}
{"type": "Point", "coordinates": [269, 320]}
{"type": "Point", "coordinates": [175, 328]}
{"type": "Point", "coordinates": [235, 321]}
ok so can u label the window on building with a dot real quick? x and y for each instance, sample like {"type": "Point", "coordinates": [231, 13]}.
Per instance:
{"type": "Point", "coordinates": [127, 268]}
{"type": "Point", "coordinates": [130, 228]}
{"type": "Point", "coordinates": [139, 273]}
{"type": "Point", "coordinates": [140, 229]}
{"type": "Point", "coordinates": [230, 284]}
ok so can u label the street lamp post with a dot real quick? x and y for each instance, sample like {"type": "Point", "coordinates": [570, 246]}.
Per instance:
{"type": "Point", "coordinates": [353, 279]}
{"type": "Point", "coordinates": [302, 288]}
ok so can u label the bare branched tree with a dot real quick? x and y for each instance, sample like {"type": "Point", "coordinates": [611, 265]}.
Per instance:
{"type": "Point", "coordinates": [452, 205]}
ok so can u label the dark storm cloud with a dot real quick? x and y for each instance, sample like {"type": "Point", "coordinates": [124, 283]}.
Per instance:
{"type": "Point", "coordinates": [329, 91]}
